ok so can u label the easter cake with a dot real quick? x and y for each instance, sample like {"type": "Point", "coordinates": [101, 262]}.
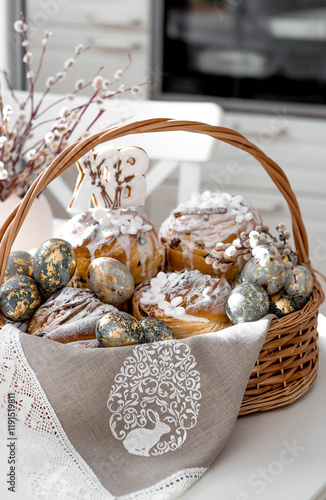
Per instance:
{"type": "Point", "coordinates": [69, 315]}
{"type": "Point", "coordinates": [201, 222]}
{"type": "Point", "coordinates": [113, 179]}
{"type": "Point", "coordinates": [189, 302]}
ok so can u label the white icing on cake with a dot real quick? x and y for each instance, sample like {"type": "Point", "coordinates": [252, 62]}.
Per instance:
{"type": "Point", "coordinates": [209, 213]}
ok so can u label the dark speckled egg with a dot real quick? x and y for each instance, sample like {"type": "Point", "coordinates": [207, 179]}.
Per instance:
{"type": "Point", "coordinates": [110, 280]}
{"type": "Point", "coordinates": [281, 305]}
{"type": "Point", "coordinates": [19, 298]}
{"type": "Point", "coordinates": [117, 329]}
{"type": "Point", "coordinates": [54, 264]}
{"type": "Point", "coordinates": [271, 277]}
{"type": "Point", "coordinates": [19, 263]}
{"type": "Point", "coordinates": [247, 302]}
{"type": "Point", "coordinates": [155, 329]}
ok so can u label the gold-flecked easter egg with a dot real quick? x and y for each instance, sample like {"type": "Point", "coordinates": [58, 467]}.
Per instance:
{"type": "Point", "coordinates": [117, 329]}
{"type": "Point", "coordinates": [19, 263]}
{"type": "Point", "coordinates": [247, 302]}
{"type": "Point", "coordinates": [110, 280]}
{"type": "Point", "coordinates": [281, 305]}
{"type": "Point", "coordinates": [298, 285]}
{"type": "Point", "coordinates": [54, 264]}
{"type": "Point", "coordinates": [19, 298]}
{"type": "Point", "coordinates": [271, 277]}
{"type": "Point", "coordinates": [155, 329]}
{"type": "Point", "coordinates": [236, 281]}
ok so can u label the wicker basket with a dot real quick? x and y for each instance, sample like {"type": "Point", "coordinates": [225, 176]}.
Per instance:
{"type": "Point", "coordinates": [288, 362]}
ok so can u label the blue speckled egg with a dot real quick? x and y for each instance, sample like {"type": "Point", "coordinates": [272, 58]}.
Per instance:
{"type": "Point", "coordinates": [54, 264]}
{"type": "Point", "coordinates": [19, 263]}
{"type": "Point", "coordinates": [19, 298]}
{"type": "Point", "coordinates": [110, 280]}
{"type": "Point", "coordinates": [117, 329]}
{"type": "Point", "coordinates": [271, 277]}
{"type": "Point", "coordinates": [299, 287]}
{"type": "Point", "coordinates": [247, 302]}
{"type": "Point", "coordinates": [155, 329]}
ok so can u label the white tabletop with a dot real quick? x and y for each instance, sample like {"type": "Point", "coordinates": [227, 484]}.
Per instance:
{"type": "Point", "coordinates": [275, 455]}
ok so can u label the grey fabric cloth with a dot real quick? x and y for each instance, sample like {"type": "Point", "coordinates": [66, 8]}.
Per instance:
{"type": "Point", "coordinates": [139, 414]}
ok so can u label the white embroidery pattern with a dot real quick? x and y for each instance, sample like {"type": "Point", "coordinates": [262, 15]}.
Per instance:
{"type": "Point", "coordinates": [156, 397]}
{"type": "Point", "coordinates": [46, 460]}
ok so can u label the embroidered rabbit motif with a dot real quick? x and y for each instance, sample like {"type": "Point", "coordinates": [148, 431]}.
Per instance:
{"type": "Point", "coordinates": [140, 440]}
{"type": "Point", "coordinates": [155, 398]}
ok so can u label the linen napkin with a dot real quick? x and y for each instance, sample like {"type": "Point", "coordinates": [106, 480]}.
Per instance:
{"type": "Point", "coordinates": [136, 422]}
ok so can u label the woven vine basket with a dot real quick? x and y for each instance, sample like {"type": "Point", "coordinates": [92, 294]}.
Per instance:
{"type": "Point", "coordinates": [288, 362]}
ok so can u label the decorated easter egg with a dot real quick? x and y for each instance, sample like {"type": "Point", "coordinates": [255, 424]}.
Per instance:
{"type": "Point", "coordinates": [299, 284]}
{"type": "Point", "coordinates": [155, 329]}
{"type": "Point", "coordinates": [236, 281]}
{"type": "Point", "coordinates": [271, 277]}
{"type": "Point", "coordinates": [19, 262]}
{"type": "Point", "coordinates": [19, 298]}
{"type": "Point", "coordinates": [281, 305]}
{"type": "Point", "coordinates": [54, 264]}
{"type": "Point", "coordinates": [247, 302]}
{"type": "Point", "coordinates": [116, 329]}
{"type": "Point", "coordinates": [110, 280]}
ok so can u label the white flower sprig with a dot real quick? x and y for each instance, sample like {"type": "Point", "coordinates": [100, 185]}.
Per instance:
{"type": "Point", "coordinates": [259, 243]}
{"type": "Point", "coordinates": [23, 161]}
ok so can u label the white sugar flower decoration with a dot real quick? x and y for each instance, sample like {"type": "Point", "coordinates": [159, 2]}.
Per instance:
{"type": "Point", "coordinates": [172, 308]}
{"type": "Point", "coordinates": [134, 225]}
{"type": "Point", "coordinates": [159, 281]}
{"type": "Point", "coordinates": [149, 298]}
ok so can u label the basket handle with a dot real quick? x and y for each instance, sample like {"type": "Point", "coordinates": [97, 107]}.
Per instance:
{"type": "Point", "coordinates": [72, 153]}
